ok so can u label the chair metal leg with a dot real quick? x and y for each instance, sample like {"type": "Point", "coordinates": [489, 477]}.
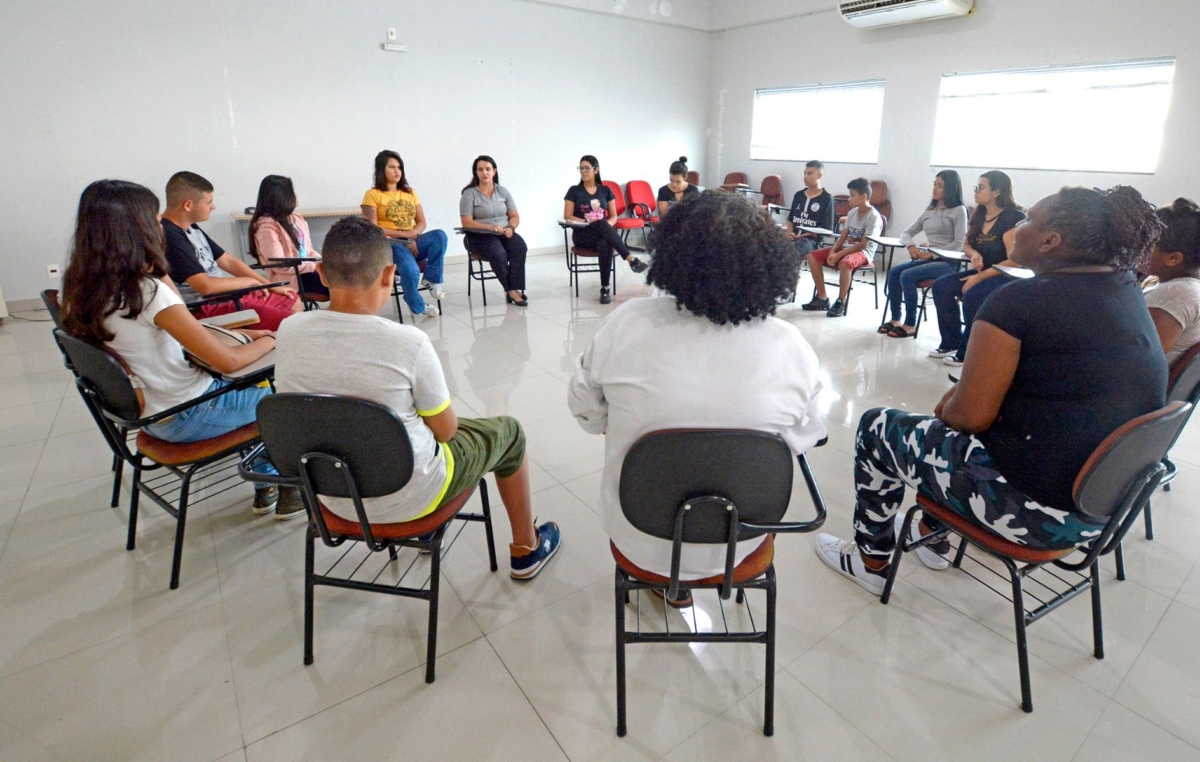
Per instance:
{"type": "Point", "coordinates": [392, 554]}
{"type": "Point", "coordinates": [435, 575]}
{"type": "Point", "coordinates": [1097, 617]}
{"type": "Point", "coordinates": [897, 554]}
{"type": "Point", "coordinates": [487, 524]}
{"type": "Point", "coordinates": [1119, 557]}
{"type": "Point", "coordinates": [134, 493]}
{"type": "Point", "coordinates": [740, 597]}
{"type": "Point", "coordinates": [620, 620]}
{"type": "Point", "coordinates": [118, 470]}
{"type": "Point", "coordinates": [1018, 598]}
{"type": "Point", "coordinates": [1149, 519]}
{"type": "Point", "coordinates": [962, 551]}
{"type": "Point", "coordinates": [180, 526]}
{"type": "Point", "coordinates": [769, 701]}
{"type": "Point", "coordinates": [309, 561]}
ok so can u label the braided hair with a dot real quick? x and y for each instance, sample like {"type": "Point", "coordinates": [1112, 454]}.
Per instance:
{"type": "Point", "coordinates": [1115, 227]}
{"type": "Point", "coordinates": [1182, 233]}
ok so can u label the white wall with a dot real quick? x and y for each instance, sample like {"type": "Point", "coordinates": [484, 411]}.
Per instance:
{"type": "Point", "coordinates": [235, 90]}
{"type": "Point", "coordinates": [821, 48]}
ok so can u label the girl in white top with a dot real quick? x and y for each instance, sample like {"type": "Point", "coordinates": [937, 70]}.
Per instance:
{"type": "Point", "coordinates": [711, 357]}
{"type": "Point", "coordinates": [1175, 302]}
{"type": "Point", "coordinates": [116, 292]}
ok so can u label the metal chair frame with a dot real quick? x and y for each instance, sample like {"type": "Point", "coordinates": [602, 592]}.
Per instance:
{"type": "Point", "coordinates": [698, 513]}
{"type": "Point", "coordinates": [574, 268]}
{"type": "Point", "coordinates": [473, 259]}
{"type": "Point", "coordinates": [398, 292]}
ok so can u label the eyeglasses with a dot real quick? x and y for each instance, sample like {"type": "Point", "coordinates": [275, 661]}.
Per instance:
{"type": "Point", "coordinates": [979, 188]}
{"type": "Point", "coordinates": [585, 168]}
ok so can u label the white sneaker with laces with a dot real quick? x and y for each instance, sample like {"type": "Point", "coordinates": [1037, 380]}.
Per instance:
{"type": "Point", "coordinates": [928, 555]}
{"type": "Point", "coordinates": [952, 361]}
{"type": "Point", "coordinates": [435, 290]}
{"type": "Point", "coordinates": [430, 311]}
{"type": "Point", "coordinates": [844, 558]}
{"type": "Point", "coordinates": [939, 353]}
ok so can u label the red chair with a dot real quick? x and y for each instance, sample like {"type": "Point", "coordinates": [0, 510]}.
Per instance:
{"type": "Point", "coordinates": [623, 223]}
{"type": "Point", "coordinates": [734, 179]}
{"type": "Point", "coordinates": [841, 207]}
{"type": "Point", "coordinates": [643, 203]}
{"type": "Point", "coordinates": [693, 177]}
{"type": "Point", "coordinates": [881, 201]}
{"type": "Point", "coordinates": [772, 190]}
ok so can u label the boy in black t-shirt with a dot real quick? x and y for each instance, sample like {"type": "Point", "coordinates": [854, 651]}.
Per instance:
{"type": "Point", "coordinates": [197, 260]}
{"type": "Point", "coordinates": [811, 207]}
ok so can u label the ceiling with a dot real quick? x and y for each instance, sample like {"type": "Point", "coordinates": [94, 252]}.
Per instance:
{"type": "Point", "coordinates": [703, 15]}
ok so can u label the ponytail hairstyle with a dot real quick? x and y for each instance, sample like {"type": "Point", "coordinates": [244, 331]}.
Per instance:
{"type": "Point", "coordinates": [1115, 227]}
{"type": "Point", "coordinates": [679, 167]}
{"type": "Point", "coordinates": [952, 192]}
{"type": "Point", "coordinates": [595, 165]}
{"type": "Point", "coordinates": [1182, 233]}
{"type": "Point", "coordinates": [118, 242]}
{"type": "Point", "coordinates": [1002, 184]}
{"type": "Point", "coordinates": [475, 175]}
{"type": "Point", "coordinates": [381, 160]}
{"type": "Point", "coordinates": [276, 201]}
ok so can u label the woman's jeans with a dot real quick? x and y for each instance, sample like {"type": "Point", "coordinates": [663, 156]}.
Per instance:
{"type": "Point", "coordinates": [946, 294]}
{"type": "Point", "coordinates": [215, 417]}
{"type": "Point", "coordinates": [902, 283]}
{"type": "Point", "coordinates": [431, 248]}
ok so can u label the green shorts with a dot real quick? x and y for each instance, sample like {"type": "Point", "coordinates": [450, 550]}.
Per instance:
{"type": "Point", "coordinates": [481, 446]}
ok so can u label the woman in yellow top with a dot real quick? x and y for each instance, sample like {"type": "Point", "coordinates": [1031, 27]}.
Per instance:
{"type": "Point", "coordinates": [396, 209]}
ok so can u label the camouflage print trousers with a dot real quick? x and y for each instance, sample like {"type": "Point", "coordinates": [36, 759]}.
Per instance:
{"type": "Point", "coordinates": [895, 449]}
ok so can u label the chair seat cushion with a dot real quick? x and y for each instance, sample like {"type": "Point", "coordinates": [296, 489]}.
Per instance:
{"type": "Point", "coordinates": [580, 252]}
{"type": "Point", "coordinates": [186, 453]}
{"type": "Point", "coordinates": [988, 539]}
{"type": "Point", "coordinates": [752, 566]}
{"type": "Point", "coordinates": [401, 530]}
{"type": "Point", "coordinates": [624, 223]}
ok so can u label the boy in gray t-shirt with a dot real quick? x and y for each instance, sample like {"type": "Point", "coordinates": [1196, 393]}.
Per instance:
{"type": "Point", "coordinates": [395, 365]}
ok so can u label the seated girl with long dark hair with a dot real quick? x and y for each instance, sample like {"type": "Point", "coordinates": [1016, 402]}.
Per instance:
{"type": "Point", "coordinates": [278, 232]}
{"type": "Point", "coordinates": [1054, 365]}
{"type": "Point", "coordinates": [592, 203]}
{"type": "Point", "coordinates": [116, 293]}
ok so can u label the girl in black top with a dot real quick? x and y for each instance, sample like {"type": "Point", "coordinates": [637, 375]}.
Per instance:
{"type": "Point", "coordinates": [676, 190]}
{"type": "Point", "coordinates": [1056, 364]}
{"type": "Point", "coordinates": [989, 239]}
{"type": "Point", "coordinates": [593, 204]}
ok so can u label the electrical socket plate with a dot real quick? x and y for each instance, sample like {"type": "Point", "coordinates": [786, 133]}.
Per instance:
{"type": "Point", "coordinates": [391, 34]}
{"type": "Point", "coordinates": [52, 271]}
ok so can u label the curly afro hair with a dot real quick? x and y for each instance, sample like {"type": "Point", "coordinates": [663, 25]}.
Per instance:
{"type": "Point", "coordinates": [723, 259]}
{"type": "Point", "coordinates": [1114, 227]}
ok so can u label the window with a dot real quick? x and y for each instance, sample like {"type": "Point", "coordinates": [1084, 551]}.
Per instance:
{"type": "Point", "coordinates": [836, 123]}
{"type": "Point", "coordinates": [1100, 118]}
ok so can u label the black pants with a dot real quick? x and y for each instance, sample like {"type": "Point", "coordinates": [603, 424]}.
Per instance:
{"type": "Point", "coordinates": [603, 238]}
{"type": "Point", "coordinates": [505, 255]}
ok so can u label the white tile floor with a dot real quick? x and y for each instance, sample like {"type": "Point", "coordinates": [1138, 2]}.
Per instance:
{"type": "Point", "coordinates": [99, 661]}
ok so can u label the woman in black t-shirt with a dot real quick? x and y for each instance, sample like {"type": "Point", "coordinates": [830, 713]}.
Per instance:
{"type": "Point", "coordinates": [989, 239]}
{"type": "Point", "coordinates": [1056, 364]}
{"type": "Point", "coordinates": [594, 205]}
{"type": "Point", "coordinates": [677, 189]}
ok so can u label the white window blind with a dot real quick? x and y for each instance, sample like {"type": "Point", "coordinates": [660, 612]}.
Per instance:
{"type": "Point", "coordinates": [832, 123]}
{"type": "Point", "coordinates": [1102, 117]}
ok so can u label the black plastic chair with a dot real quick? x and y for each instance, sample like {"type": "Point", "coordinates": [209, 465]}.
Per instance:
{"type": "Point", "coordinates": [353, 448]}
{"type": "Point", "coordinates": [711, 486]}
{"type": "Point", "coordinates": [1115, 483]}
{"type": "Point", "coordinates": [50, 299]}
{"type": "Point", "coordinates": [1183, 385]}
{"type": "Point", "coordinates": [475, 264]}
{"type": "Point", "coordinates": [104, 380]}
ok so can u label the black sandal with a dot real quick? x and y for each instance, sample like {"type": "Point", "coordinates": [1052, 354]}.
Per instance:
{"type": "Point", "coordinates": [886, 328]}
{"type": "Point", "coordinates": [899, 332]}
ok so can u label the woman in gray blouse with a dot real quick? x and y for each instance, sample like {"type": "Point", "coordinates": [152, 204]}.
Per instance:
{"type": "Point", "coordinates": [487, 207]}
{"type": "Point", "coordinates": [944, 223]}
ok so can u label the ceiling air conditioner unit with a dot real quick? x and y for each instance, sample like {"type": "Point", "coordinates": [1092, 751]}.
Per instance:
{"type": "Point", "coordinates": [871, 13]}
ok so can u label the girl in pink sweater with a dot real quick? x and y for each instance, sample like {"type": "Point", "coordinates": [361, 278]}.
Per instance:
{"type": "Point", "coordinates": [277, 232]}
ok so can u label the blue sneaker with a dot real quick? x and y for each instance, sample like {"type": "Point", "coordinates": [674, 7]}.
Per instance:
{"type": "Point", "coordinates": [527, 562]}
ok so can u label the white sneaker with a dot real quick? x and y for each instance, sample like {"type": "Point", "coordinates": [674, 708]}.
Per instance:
{"type": "Point", "coordinates": [430, 311]}
{"type": "Point", "coordinates": [844, 558]}
{"type": "Point", "coordinates": [952, 361]}
{"type": "Point", "coordinates": [939, 353]}
{"type": "Point", "coordinates": [928, 555]}
{"type": "Point", "coordinates": [435, 290]}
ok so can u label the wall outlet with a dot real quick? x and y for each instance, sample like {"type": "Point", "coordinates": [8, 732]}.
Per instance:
{"type": "Point", "coordinates": [391, 34]}
{"type": "Point", "coordinates": [52, 271]}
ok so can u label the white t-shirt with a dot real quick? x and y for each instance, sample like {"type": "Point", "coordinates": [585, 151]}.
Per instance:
{"type": "Point", "coordinates": [859, 226]}
{"type": "Point", "coordinates": [366, 356]}
{"type": "Point", "coordinates": [154, 355]}
{"type": "Point", "coordinates": [652, 366]}
{"type": "Point", "coordinates": [1179, 298]}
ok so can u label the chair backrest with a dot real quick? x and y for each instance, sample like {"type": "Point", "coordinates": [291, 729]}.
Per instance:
{"type": "Point", "coordinates": [368, 437]}
{"type": "Point", "coordinates": [104, 374]}
{"type": "Point", "coordinates": [772, 189]}
{"type": "Point", "coordinates": [640, 192]}
{"type": "Point", "coordinates": [616, 191]}
{"type": "Point", "coordinates": [664, 470]}
{"type": "Point", "coordinates": [880, 199]}
{"type": "Point", "coordinates": [50, 299]}
{"type": "Point", "coordinates": [736, 178]}
{"type": "Point", "coordinates": [1183, 384]}
{"type": "Point", "coordinates": [1117, 469]}
{"type": "Point", "coordinates": [693, 177]}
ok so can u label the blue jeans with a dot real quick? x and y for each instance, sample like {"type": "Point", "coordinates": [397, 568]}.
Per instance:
{"type": "Point", "coordinates": [971, 302]}
{"type": "Point", "coordinates": [431, 247]}
{"type": "Point", "coordinates": [902, 282]}
{"type": "Point", "coordinates": [946, 292]}
{"type": "Point", "coordinates": [215, 417]}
